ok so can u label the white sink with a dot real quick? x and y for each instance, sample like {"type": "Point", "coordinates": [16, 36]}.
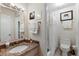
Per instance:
{"type": "Point", "coordinates": [18, 49]}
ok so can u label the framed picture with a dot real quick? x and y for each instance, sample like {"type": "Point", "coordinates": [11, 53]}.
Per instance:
{"type": "Point", "coordinates": [32, 15]}
{"type": "Point", "coordinates": [68, 15]}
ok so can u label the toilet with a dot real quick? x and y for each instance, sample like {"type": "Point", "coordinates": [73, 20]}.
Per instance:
{"type": "Point", "coordinates": [65, 46]}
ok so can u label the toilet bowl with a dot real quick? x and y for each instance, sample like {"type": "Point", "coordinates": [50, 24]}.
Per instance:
{"type": "Point", "coordinates": [65, 46]}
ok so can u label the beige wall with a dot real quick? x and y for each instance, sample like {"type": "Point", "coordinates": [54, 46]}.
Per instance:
{"type": "Point", "coordinates": [26, 24]}
{"type": "Point", "coordinates": [0, 25]}
{"type": "Point", "coordinates": [77, 28]}
{"type": "Point", "coordinates": [41, 36]}
{"type": "Point", "coordinates": [56, 29]}
{"type": "Point", "coordinates": [66, 34]}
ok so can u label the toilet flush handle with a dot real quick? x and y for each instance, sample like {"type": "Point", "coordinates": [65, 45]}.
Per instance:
{"type": "Point", "coordinates": [9, 34]}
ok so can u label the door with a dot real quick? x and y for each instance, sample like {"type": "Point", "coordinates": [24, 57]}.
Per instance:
{"type": "Point", "coordinates": [6, 27]}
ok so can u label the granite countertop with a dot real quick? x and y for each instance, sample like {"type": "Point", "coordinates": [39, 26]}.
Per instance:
{"type": "Point", "coordinates": [5, 51]}
{"type": "Point", "coordinates": [31, 47]}
{"type": "Point", "coordinates": [1, 43]}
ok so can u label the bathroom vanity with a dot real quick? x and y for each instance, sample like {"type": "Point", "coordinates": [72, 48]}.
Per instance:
{"type": "Point", "coordinates": [20, 48]}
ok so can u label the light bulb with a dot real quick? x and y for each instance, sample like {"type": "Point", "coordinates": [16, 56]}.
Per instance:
{"type": "Point", "coordinates": [23, 9]}
{"type": "Point", "coordinates": [12, 4]}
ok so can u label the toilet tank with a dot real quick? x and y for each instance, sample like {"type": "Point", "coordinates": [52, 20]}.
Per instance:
{"type": "Point", "coordinates": [65, 41]}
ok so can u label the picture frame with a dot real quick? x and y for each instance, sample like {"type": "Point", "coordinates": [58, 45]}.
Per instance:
{"type": "Point", "coordinates": [32, 15]}
{"type": "Point", "coordinates": [65, 16]}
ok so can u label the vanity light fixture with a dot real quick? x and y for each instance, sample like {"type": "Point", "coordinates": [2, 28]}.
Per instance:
{"type": "Point", "coordinates": [23, 9]}
{"type": "Point", "coordinates": [12, 4]}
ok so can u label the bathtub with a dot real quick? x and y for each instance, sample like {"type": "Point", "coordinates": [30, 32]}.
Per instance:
{"type": "Point", "coordinates": [18, 49]}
